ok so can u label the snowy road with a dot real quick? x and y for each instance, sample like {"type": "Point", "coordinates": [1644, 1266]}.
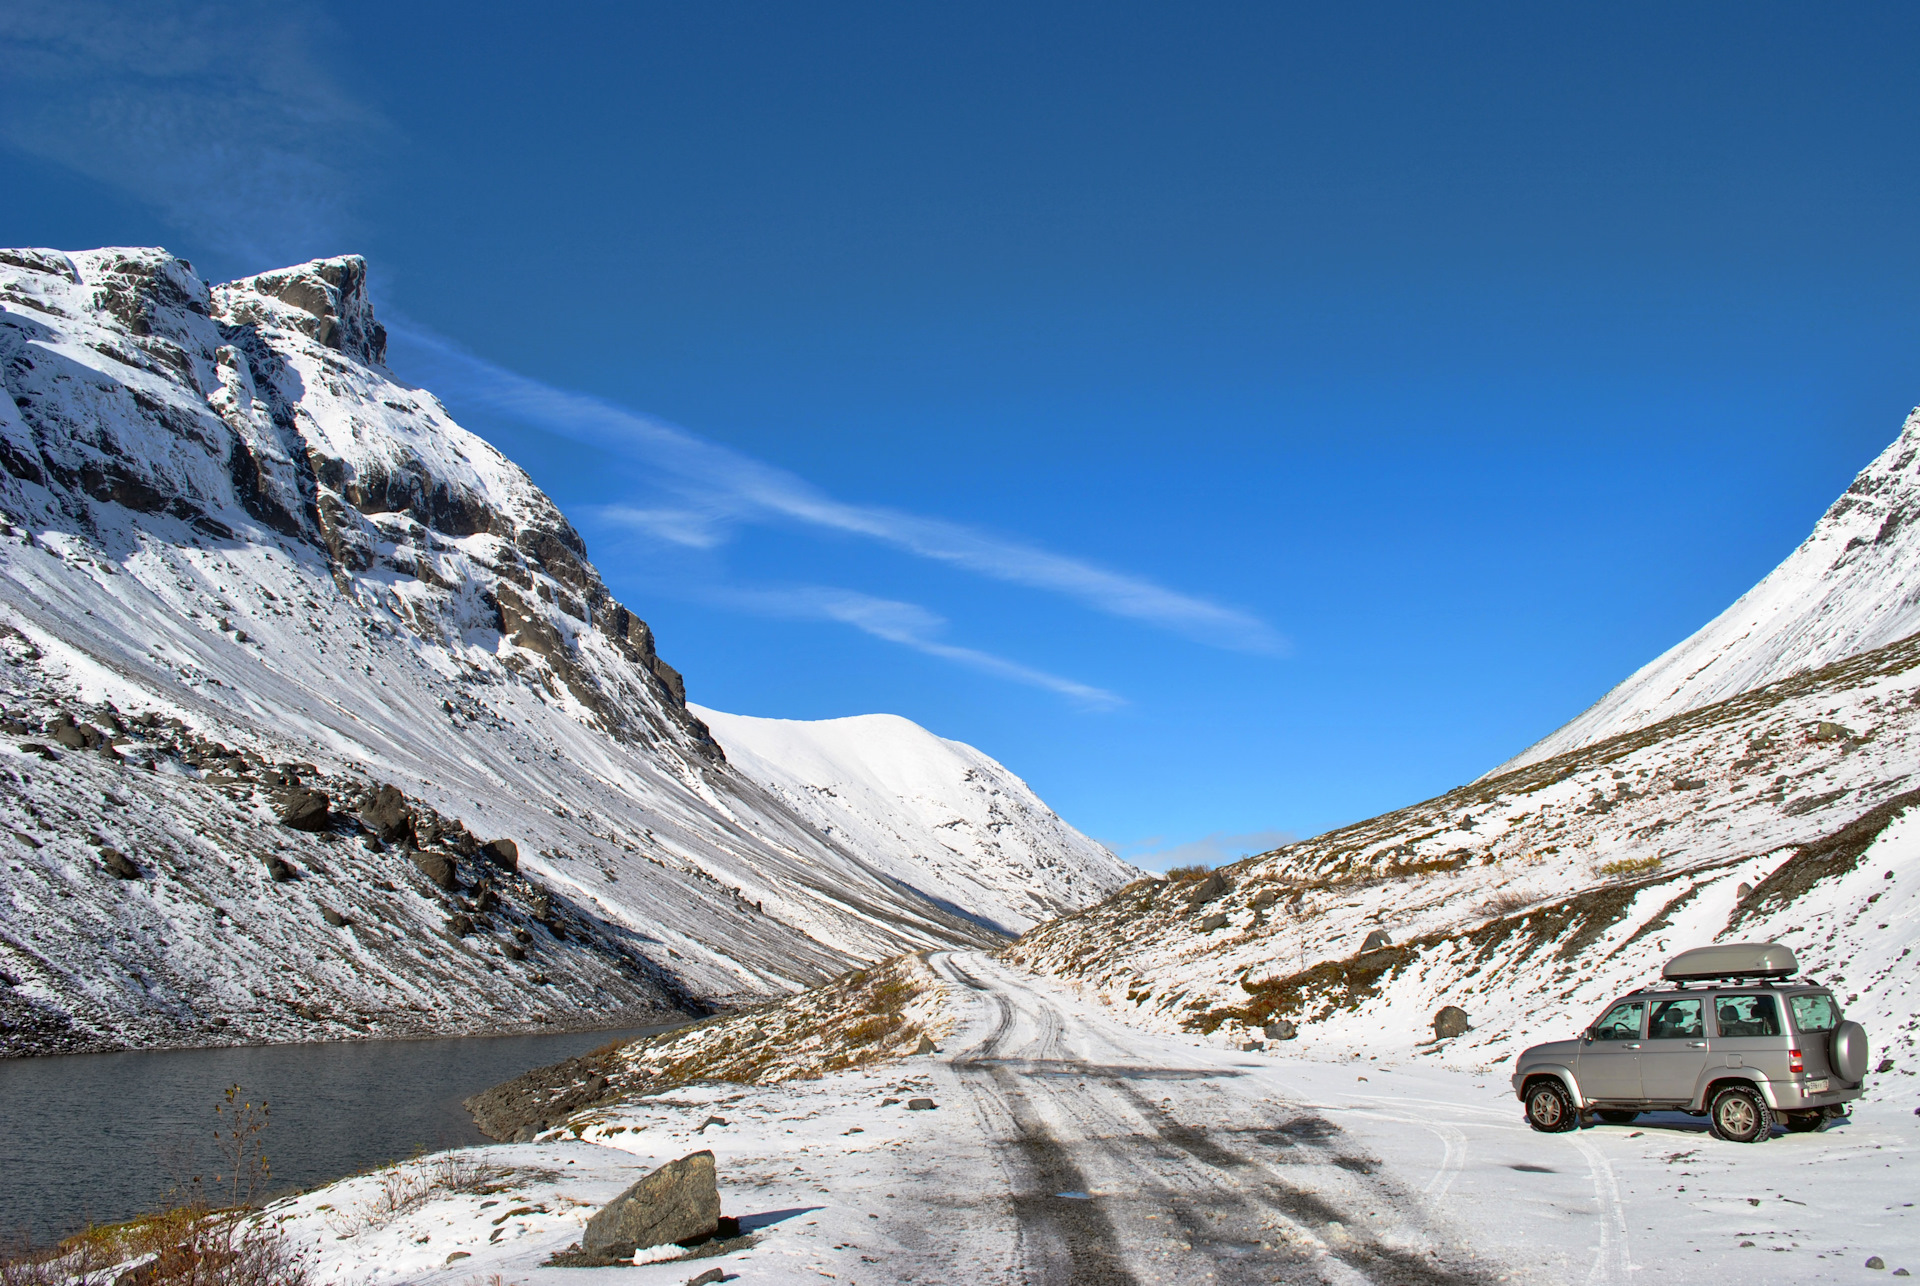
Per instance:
{"type": "Point", "coordinates": [1069, 1148]}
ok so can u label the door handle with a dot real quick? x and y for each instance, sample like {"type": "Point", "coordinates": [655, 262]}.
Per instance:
{"type": "Point", "coordinates": [1696, 1044]}
{"type": "Point", "coordinates": [1633, 1044]}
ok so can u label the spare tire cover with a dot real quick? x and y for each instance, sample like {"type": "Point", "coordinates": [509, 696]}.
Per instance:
{"type": "Point", "coordinates": [1850, 1051]}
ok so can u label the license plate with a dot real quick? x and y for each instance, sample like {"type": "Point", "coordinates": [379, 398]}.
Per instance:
{"type": "Point", "coordinates": [1817, 1085]}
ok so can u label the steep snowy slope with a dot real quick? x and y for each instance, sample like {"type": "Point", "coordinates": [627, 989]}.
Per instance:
{"type": "Point", "coordinates": [934, 814]}
{"type": "Point", "coordinates": [234, 543]}
{"type": "Point", "coordinates": [1853, 585]}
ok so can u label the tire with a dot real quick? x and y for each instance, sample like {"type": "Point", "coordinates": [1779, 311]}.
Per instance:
{"type": "Point", "coordinates": [1617, 1116]}
{"type": "Point", "coordinates": [1803, 1122]}
{"type": "Point", "coordinates": [1740, 1115]}
{"type": "Point", "coordinates": [1550, 1108]}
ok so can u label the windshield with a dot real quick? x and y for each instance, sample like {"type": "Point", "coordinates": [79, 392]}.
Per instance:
{"type": "Point", "coordinates": [1815, 1013]}
{"type": "Point", "coordinates": [1747, 1016]}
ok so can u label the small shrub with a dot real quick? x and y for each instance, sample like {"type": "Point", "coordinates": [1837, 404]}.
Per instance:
{"type": "Point", "coordinates": [1506, 903]}
{"type": "Point", "coordinates": [1188, 874]}
{"type": "Point", "coordinates": [1629, 866]}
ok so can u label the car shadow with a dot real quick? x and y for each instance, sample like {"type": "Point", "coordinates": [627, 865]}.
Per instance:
{"type": "Point", "coordinates": [1682, 1123]}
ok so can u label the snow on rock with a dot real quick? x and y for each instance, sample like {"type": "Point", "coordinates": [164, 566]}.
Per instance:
{"type": "Point", "coordinates": [252, 561]}
{"type": "Point", "coordinates": [1853, 585]}
{"type": "Point", "coordinates": [934, 814]}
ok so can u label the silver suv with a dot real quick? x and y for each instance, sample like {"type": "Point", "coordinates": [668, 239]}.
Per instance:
{"type": "Point", "coordinates": [1731, 1039]}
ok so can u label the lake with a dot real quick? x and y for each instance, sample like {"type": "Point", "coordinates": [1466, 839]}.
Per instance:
{"type": "Point", "coordinates": [105, 1137]}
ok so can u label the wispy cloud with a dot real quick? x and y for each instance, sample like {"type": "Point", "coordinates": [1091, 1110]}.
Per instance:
{"type": "Point", "coordinates": [1156, 854]}
{"type": "Point", "coordinates": [720, 488]}
{"type": "Point", "coordinates": [908, 624]}
{"type": "Point", "coordinates": [217, 116]}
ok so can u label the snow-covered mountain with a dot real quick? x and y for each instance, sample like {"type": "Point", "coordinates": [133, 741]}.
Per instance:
{"type": "Point", "coordinates": [1851, 586]}
{"type": "Point", "coordinates": [1761, 782]}
{"type": "Point", "coordinates": [934, 814]}
{"type": "Point", "coordinates": [321, 721]}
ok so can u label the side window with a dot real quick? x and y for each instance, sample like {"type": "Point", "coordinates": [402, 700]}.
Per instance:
{"type": "Point", "coordinates": [1621, 1023]}
{"type": "Point", "coordinates": [1676, 1020]}
{"type": "Point", "coordinates": [1747, 1016]}
{"type": "Point", "coordinates": [1814, 1014]}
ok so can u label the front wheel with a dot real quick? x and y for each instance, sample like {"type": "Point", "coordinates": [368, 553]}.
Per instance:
{"type": "Point", "coordinates": [1805, 1122]}
{"type": "Point", "coordinates": [1550, 1108]}
{"type": "Point", "coordinates": [1740, 1115]}
{"type": "Point", "coordinates": [1616, 1116]}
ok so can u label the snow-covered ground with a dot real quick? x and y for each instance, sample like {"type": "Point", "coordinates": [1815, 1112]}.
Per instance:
{"type": "Point", "coordinates": [1068, 1147]}
{"type": "Point", "coordinates": [935, 814]}
{"type": "Point", "coordinates": [219, 507]}
{"type": "Point", "coordinates": [1853, 585]}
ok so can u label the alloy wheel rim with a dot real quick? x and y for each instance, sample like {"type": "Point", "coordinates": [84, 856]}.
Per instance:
{"type": "Point", "coordinates": [1736, 1116]}
{"type": "Point", "coordinates": [1546, 1108]}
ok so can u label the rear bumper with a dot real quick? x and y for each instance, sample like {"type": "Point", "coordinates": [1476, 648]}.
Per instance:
{"type": "Point", "coordinates": [1788, 1096]}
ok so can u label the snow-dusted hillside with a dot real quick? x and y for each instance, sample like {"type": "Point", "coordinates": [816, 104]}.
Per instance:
{"type": "Point", "coordinates": [1852, 585]}
{"type": "Point", "coordinates": [241, 560]}
{"type": "Point", "coordinates": [934, 814]}
{"type": "Point", "coordinates": [1532, 897]}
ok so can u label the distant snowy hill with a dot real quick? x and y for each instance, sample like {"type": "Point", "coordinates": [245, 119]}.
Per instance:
{"type": "Point", "coordinates": [934, 814]}
{"type": "Point", "coordinates": [321, 722]}
{"type": "Point", "coordinates": [1851, 586]}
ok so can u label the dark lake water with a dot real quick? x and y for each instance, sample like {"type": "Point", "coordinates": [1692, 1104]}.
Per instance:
{"type": "Point", "coordinates": [104, 1137]}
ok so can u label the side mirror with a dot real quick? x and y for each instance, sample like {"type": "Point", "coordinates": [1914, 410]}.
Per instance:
{"type": "Point", "coordinates": [1586, 1037]}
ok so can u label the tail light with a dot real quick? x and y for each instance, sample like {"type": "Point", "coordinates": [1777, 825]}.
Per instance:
{"type": "Point", "coordinates": [1793, 1061]}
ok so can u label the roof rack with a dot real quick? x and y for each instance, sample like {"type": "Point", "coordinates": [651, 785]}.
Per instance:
{"type": "Point", "coordinates": [1760, 961]}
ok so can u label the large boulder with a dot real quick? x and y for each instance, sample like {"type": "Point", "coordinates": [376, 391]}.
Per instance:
{"type": "Point", "coordinates": [387, 813]}
{"type": "Point", "coordinates": [503, 853]}
{"type": "Point", "coordinates": [1213, 886]}
{"type": "Point", "coordinates": [437, 867]}
{"type": "Point", "coordinates": [1377, 939]}
{"type": "Point", "coordinates": [678, 1202]}
{"type": "Point", "coordinates": [1450, 1022]}
{"type": "Point", "coordinates": [303, 809]}
{"type": "Point", "coordinates": [1280, 1029]}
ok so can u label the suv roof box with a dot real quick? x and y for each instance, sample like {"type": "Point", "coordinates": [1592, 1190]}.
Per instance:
{"type": "Point", "coordinates": [1732, 960]}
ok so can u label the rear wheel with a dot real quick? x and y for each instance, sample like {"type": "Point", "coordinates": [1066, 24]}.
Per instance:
{"type": "Point", "coordinates": [1617, 1116]}
{"type": "Point", "coordinates": [1550, 1108]}
{"type": "Point", "coordinates": [1740, 1115]}
{"type": "Point", "coordinates": [1804, 1122]}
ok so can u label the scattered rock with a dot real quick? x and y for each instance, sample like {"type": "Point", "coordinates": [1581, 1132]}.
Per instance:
{"type": "Point", "coordinates": [1280, 1029]}
{"type": "Point", "coordinates": [678, 1202]}
{"type": "Point", "coordinates": [459, 925]}
{"type": "Point", "coordinates": [1252, 1046]}
{"type": "Point", "coordinates": [1451, 1021]}
{"type": "Point", "coordinates": [1744, 891]}
{"type": "Point", "coordinates": [513, 950]}
{"type": "Point", "coordinates": [1208, 889]}
{"type": "Point", "coordinates": [1377, 939]}
{"type": "Point", "coordinates": [438, 868]}
{"type": "Point", "coordinates": [1874, 1261]}
{"type": "Point", "coordinates": [712, 1120]}
{"type": "Point", "coordinates": [459, 1254]}
{"type": "Point", "coordinates": [387, 814]}
{"type": "Point", "coordinates": [1828, 731]}
{"type": "Point", "coordinates": [1212, 922]}
{"type": "Point", "coordinates": [1689, 783]}
{"type": "Point", "coordinates": [920, 1105]}
{"type": "Point", "coordinates": [711, 1275]}
{"type": "Point", "coordinates": [1264, 898]}
{"type": "Point", "coordinates": [303, 809]}
{"type": "Point", "coordinates": [119, 864]}
{"type": "Point", "coordinates": [35, 748]}
{"type": "Point", "coordinates": [278, 871]}
{"type": "Point", "coordinates": [334, 918]}
{"type": "Point", "coordinates": [1886, 1065]}
{"type": "Point", "coordinates": [926, 1045]}
{"type": "Point", "coordinates": [503, 853]}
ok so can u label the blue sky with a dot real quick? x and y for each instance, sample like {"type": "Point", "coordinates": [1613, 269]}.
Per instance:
{"type": "Point", "coordinates": [1238, 419]}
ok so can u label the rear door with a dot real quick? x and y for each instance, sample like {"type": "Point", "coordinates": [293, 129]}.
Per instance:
{"type": "Point", "coordinates": [1749, 1033]}
{"type": "Point", "coordinates": [1815, 1014]}
{"type": "Point", "coordinates": [1609, 1063]}
{"type": "Point", "coordinates": [1675, 1052]}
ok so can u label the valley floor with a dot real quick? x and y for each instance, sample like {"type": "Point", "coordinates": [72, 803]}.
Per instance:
{"type": "Point", "coordinates": [1068, 1148]}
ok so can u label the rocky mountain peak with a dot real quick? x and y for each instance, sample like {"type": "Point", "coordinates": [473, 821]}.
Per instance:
{"type": "Point", "coordinates": [326, 300]}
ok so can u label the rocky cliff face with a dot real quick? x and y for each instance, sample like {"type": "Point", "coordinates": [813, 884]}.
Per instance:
{"type": "Point", "coordinates": [256, 567]}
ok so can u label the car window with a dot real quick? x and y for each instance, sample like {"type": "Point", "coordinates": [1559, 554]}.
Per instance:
{"type": "Point", "coordinates": [1676, 1020]}
{"type": "Point", "coordinates": [1746, 1016]}
{"type": "Point", "coordinates": [1815, 1013]}
{"type": "Point", "coordinates": [1621, 1023]}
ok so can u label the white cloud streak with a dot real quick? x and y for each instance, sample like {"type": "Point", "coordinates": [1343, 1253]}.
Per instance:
{"type": "Point", "coordinates": [907, 624]}
{"type": "Point", "coordinates": [720, 488]}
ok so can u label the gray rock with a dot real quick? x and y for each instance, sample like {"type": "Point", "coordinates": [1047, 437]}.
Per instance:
{"type": "Point", "coordinates": [459, 925]}
{"type": "Point", "coordinates": [1744, 891]}
{"type": "Point", "coordinates": [1450, 1022]}
{"type": "Point", "coordinates": [1886, 1065]}
{"type": "Point", "coordinates": [334, 918]}
{"type": "Point", "coordinates": [278, 871]}
{"type": "Point", "coordinates": [678, 1202]}
{"type": "Point", "coordinates": [119, 864]}
{"type": "Point", "coordinates": [1208, 889]}
{"type": "Point", "coordinates": [720, 1275]}
{"type": "Point", "coordinates": [438, 868]}
{"type": "Point", "coordinates": [926, 1045]}
{"type": "Point", "coordinates": [1876, 1262]}
{"type": "Point", "coordinates": [503, 853]}
{"type": "Point", "coordinates": [1264, 898]}
{"type": "Point", "coordinates": [920, 1105]}
{"type": "Point", "coordinates": [1212, 922]}
{"type": "Point", "coordinates": [303, 809]}
{"type": "Point", "coordinates": [387, 813]}
{"type": "Point", "coordinates": [513, 950]}
{"type": "Point", "coordinates": [1252, 1046]}
{"type": "Point", "coordinates": [1377, 939]}
{"type": "Point", "coordinates": [1280, 1029]}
